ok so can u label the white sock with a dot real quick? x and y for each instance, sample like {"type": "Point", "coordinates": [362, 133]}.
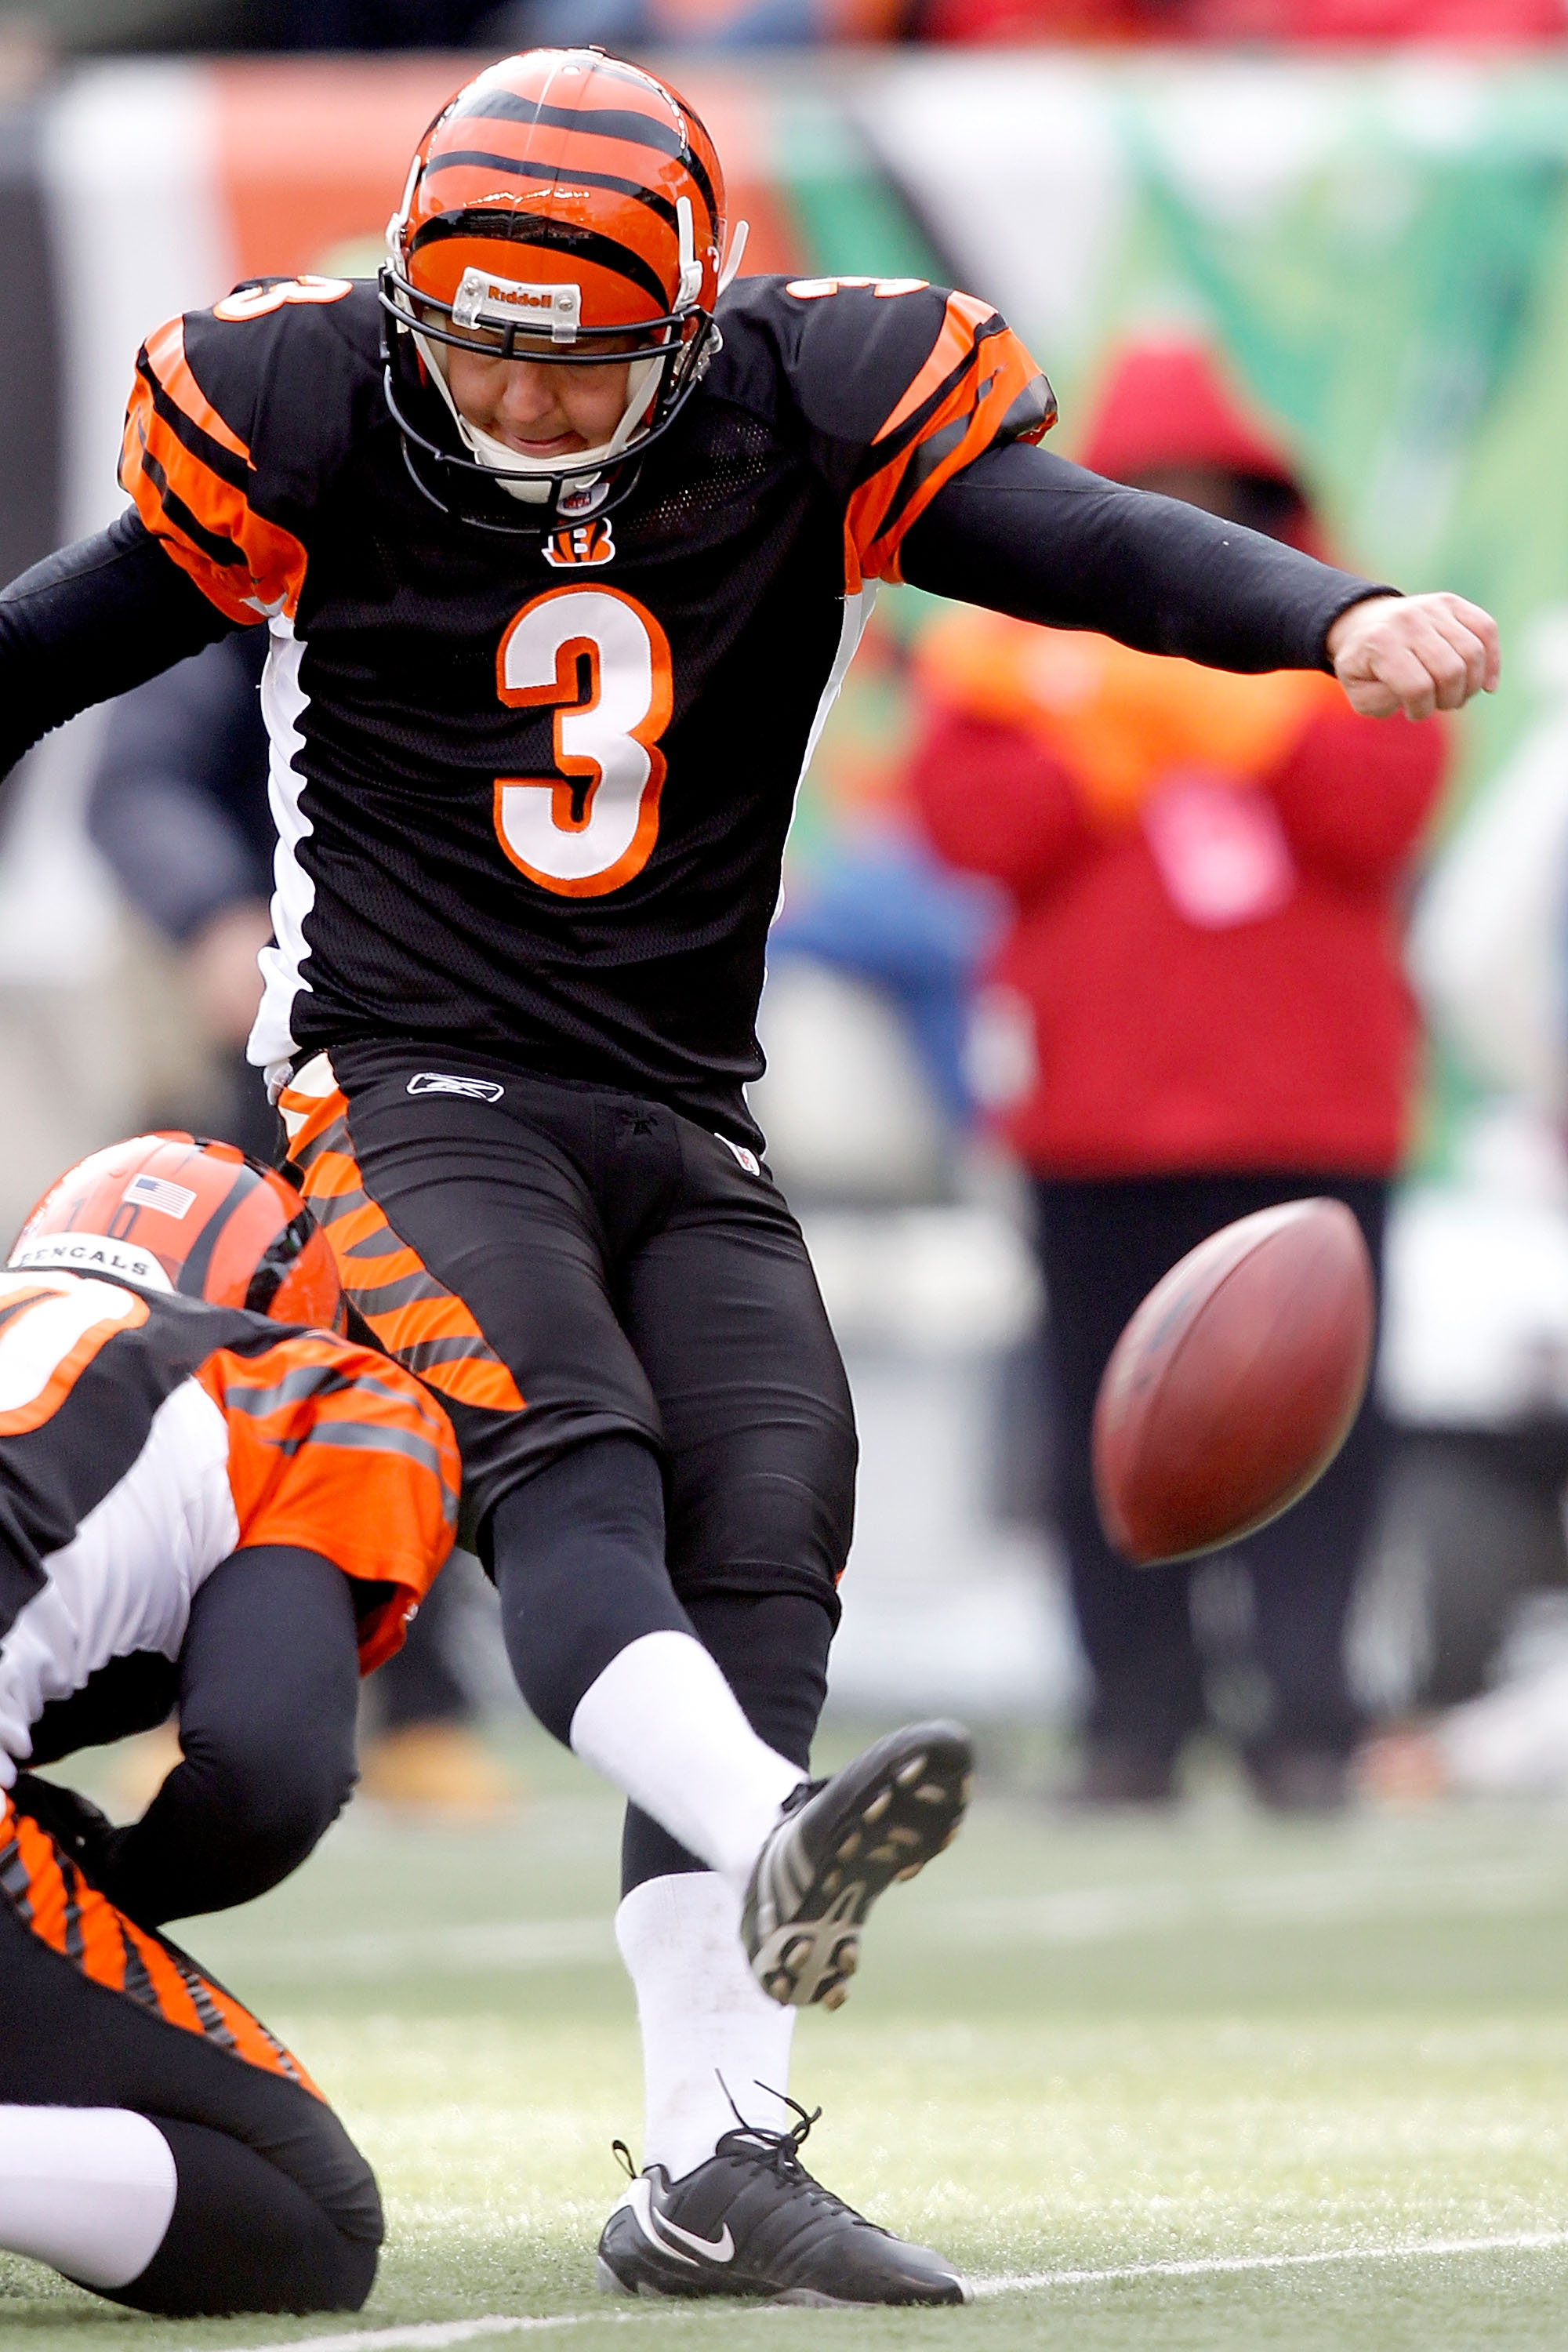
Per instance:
{"type": "Point", "coordinates": [703, 2015]}
{"type": "Point", "coordinates": [88, 2189]}
{"type": "Point", "coordinates": [664, 1725]}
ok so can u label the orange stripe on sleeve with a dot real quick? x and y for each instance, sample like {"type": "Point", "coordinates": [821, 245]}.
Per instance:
{"type": "Point", "coordinates": [166, 357]}
{"type": "Point", "coordinates": [196, 500]}
{"type": "Point", "coordinates": [954, 341]}
{"type": "Point", "coordinates": [339, 1451]}
{"type": "Point", "coordinates": [959, 428]}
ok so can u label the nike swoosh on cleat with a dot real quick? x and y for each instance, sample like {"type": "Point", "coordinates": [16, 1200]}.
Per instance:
{"type": "Point", "coordinates": [660, 2228]}
{"type": "Point", "coordinates": [721, 2249]}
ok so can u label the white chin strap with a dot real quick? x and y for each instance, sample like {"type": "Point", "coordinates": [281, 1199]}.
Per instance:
{"type": "Point", "coordinates": [581, 466]}
{"type": "Point", "coordinates": [730, 270]}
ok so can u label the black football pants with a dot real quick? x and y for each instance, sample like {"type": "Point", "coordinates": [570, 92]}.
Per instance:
{"type": "Point", "coordinates": [275, 2209]}
{"type": "Point", "coordinates": [620, 1316]}
{"type": "Point", "coordinates": [1103, 1245]}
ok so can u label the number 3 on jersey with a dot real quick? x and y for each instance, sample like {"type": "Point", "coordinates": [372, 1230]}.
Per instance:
{"type": "Point", "coordinates": [603, 661]}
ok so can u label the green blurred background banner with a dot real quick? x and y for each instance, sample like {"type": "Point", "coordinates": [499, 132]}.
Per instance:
{"type": "Point", "coordinates": [1379, 249]}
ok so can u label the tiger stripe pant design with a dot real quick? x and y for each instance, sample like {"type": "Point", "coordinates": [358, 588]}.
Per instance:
{"type": "Point", "coordinates": [50, 1898]}
{"type": "Point", "coordinates": [566, 1263]}
{"type": "Point", "coordinates": [276, 2208]}
{"type": "Point", "coordinates": [410, 1314]}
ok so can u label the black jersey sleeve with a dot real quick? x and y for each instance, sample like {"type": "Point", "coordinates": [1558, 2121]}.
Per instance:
{"type": "Point", "coordinates": [266, 1687]}
{"type": "Point", "coordinates": [1024, 532]}
{"type": "Point", "coordinates": [89, 623]}
{"type": "Point", "coordinates": [238, 417]}
{"type": "Point", "coordinates": [900, 386]}
{"type": "Point", "coordinates": [268, 1680]}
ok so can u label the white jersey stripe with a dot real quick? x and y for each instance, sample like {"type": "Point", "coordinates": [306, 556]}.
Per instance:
{"type": "Point", "coordinates": [125, 1581]}
{"type": "Point", "coordinates": [856, 612]}
{"type": "Point", "coordinates": [283, 704]}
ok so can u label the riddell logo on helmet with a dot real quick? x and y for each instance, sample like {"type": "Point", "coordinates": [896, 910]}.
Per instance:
{"type": "Point", "coordinates": [482, 300]}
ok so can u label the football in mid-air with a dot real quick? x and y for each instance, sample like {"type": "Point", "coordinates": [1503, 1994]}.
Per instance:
{"type": "Point", "coordinates": [1236, 1384]}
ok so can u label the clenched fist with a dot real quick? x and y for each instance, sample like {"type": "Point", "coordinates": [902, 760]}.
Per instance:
{"type": "Point", "coordinates": [1414, 654]}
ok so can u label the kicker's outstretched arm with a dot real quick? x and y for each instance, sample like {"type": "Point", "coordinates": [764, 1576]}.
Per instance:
{"type": "Point", "coordinates": [91, 622]}
{"type": "Point", "coordinates": [1024, 531]}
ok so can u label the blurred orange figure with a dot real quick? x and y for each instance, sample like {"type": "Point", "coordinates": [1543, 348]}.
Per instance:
{"type": "Point", "coordinates": [1199, 1010]}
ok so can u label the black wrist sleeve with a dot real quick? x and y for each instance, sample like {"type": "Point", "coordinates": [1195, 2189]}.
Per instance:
{"type": "Point", "coordinates": [1024, 532]}
{"type": "Point", "coordinates": [269, 1691]}
{"type": "Point", "coordinates": [91, 622]}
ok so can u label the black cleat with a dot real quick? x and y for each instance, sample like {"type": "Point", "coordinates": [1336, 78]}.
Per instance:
{"type": "Point", "coordinates": [840, 1843]}
{"type": "Point", "coordinates": [752, 2220]}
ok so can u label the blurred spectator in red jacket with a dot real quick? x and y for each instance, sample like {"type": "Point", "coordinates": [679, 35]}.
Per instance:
{"type": "Point", "coordinates": [1199, 1011]}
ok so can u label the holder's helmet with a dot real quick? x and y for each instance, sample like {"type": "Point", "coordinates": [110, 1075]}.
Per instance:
{"type": "Point", "coordinates": [566, 208]}
{"type": "Point", "coordinates": [177, 1212]}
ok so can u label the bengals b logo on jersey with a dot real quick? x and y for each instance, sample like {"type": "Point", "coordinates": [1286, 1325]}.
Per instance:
{"type": "Point", "coordinates": [581, 542]}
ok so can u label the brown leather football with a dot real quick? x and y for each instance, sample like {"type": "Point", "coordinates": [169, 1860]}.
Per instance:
{"type": "Point", "coordinates": [1236, 1384]}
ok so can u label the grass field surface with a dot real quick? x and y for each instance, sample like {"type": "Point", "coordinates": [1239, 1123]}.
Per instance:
{"type": "Point", "coordinates": [1213, 2083]}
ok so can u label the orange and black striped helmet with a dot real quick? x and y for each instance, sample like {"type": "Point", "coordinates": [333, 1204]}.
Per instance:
{"type": "Point", "coordinates": [564, 207]}
{"type": "Point", "coordinates": [177, 1212]}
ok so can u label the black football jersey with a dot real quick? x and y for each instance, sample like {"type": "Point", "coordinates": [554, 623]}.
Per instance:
{"type": "Point", "coordinates": [532, 793]}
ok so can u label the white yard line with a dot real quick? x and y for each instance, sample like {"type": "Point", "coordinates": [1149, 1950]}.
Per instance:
{"type": "Point", "coordinates": [430, 2333]}
{"type": "Point", "coordinates": [1220, 2265]}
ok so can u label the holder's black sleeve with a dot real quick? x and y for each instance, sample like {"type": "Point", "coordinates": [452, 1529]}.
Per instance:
{"type": "Point", "coordinates": [1022, 532]}
{"type": "Point", "coordinates": [90, 622]}
{"type": "Point", "coordinates": [268, 1691]}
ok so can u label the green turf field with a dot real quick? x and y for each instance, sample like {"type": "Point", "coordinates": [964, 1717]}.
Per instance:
{"type": "Point", "coordinates": [1214, 2085]}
